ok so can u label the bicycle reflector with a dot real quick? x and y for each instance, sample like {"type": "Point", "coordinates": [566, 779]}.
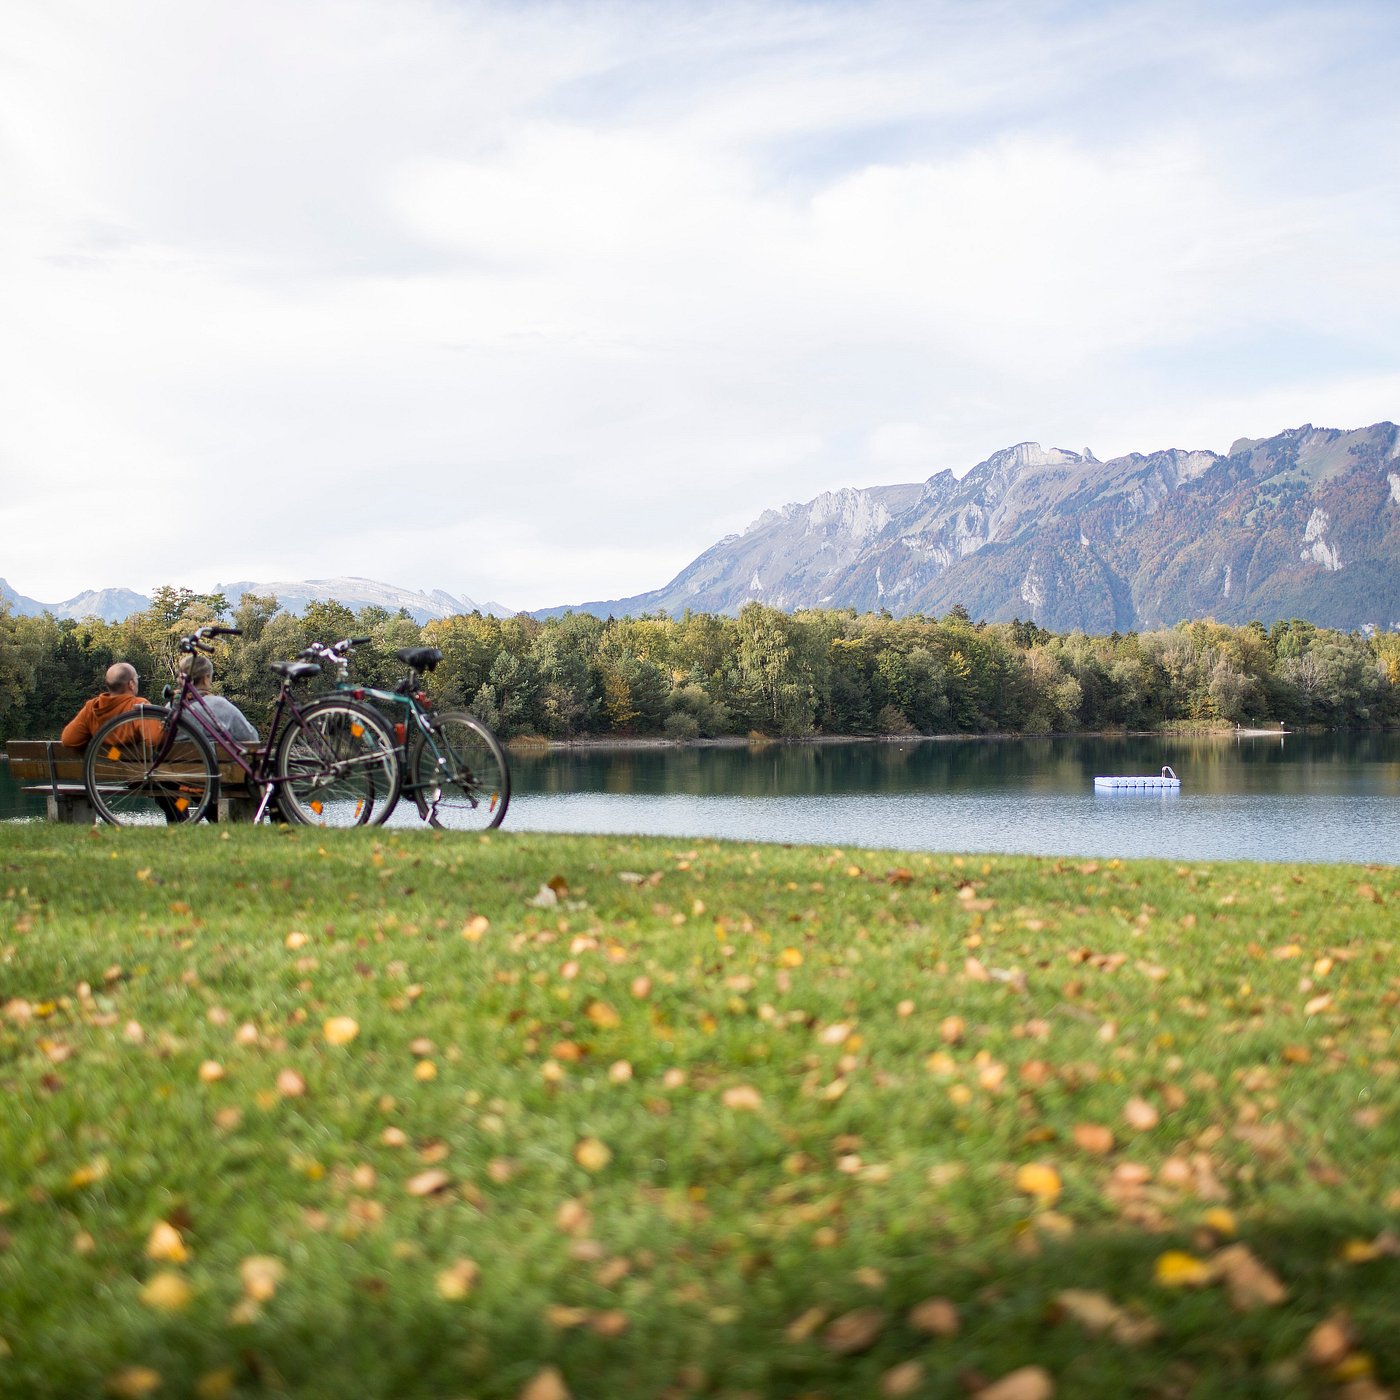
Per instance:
{"type": "Point", "coordinates": [401, 732]}
{"type": "Point", "coordinates": [422, 698]}
{"type": "Point", "coordinates": [357, 695]}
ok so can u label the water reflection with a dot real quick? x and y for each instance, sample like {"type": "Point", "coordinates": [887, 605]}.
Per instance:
{"type": "Point", "coordinates": [1294, 797]}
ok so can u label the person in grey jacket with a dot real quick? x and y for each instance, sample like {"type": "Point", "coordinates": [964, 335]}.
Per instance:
{"type": "Point", "coordinates": [200, 670]}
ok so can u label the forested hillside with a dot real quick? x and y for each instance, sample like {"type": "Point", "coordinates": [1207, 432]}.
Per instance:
{"type": "Point", "coordinates": [766, 671]}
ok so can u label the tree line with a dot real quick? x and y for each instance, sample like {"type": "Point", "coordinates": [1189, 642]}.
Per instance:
{"type": "Point", "coordinates": [828, 672]}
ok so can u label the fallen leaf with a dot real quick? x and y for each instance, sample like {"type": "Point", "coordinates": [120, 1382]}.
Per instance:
{"type": "Point", "coordinates": [1027, 1383]}
{"type": "Point", "coordinates": [211, 1071]}
{"type": "Point", "coordinates": [165, 1243]}
{"type": "Point", "coordinates": [457, 1280]}
{"type": "Point", "coordinates": [1094, 1138]}
{"type": "Point", "coordinates": [1039, 1180]}
{"type": "Point", "coordinates": [1330, 1341]}
{"type": "Point", "coordinates": [133, 1382]}
{"type": "Point", "coordinates": [1249, 1283]}
{"type": "Point", "coordinates": [290, 1084]}
{"type": "Point", "coordinates": [1140, 1115]}
{"type": "Point", "coordinates": [854, 1331]}
{"type": "Point", "coordinates": [260, 1275]}
{"type": "Point", "coordinates": [743, 1097]}
{"type": "Point", "coordinates": [1177, 1269]}
{"type": "Point", "coordinates": [475, 928]}
{"type": "Point", "coordinates": [427, 1183]}
{"type": "Point", "coordinates": [936, 1316]}
{"type": "Point", "coordinates": [805, 1324]}
{"type": "Point", "coordinates": [167, 1291]}
{"type": "Point", "coordinates": [547, 1384]}
{"type": "Point", "coordinates": [1098, 1314]}
{"type": "Point", "coordinates": [901, 1380]}
{"type": "Point", "coordinates": [340, 1030]}
{"type": "Point", "coordinates": [592, 1154]}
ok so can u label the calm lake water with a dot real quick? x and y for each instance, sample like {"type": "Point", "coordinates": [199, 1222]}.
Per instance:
{"type": "Point", "coordinates": [1280, 797]}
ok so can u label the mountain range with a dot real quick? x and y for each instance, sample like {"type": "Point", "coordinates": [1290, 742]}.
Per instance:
{"type": "Point", "coordinates": [113, 604]}
{"type": "Point", "coordinates": [1302, 524]}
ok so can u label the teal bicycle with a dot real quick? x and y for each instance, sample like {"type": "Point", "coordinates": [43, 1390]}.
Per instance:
{"type": "Point", "coordinates": [454, 768]}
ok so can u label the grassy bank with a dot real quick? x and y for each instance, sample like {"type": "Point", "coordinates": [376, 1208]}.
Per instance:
{"type": "Point", "coordinates": [415, 1116]}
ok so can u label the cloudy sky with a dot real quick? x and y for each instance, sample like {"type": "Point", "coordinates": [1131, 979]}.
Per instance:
{"type": "Point", "coordinates": [535, 301]}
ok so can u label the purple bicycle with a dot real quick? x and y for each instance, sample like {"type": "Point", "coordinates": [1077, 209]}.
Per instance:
{"type": "Point", "coordinates": [329, 762]}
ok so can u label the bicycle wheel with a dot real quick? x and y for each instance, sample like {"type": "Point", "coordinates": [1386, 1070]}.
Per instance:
{"type": "Point", "coordinates": [459, 775]}
{"type": "Point", "coordinates": [338, 766]}
{"type": "Point", "coordinates": [140, 773]}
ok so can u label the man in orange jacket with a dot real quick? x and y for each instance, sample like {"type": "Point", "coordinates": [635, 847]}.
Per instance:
{"type": "Point", "coordinates": [121, 694]}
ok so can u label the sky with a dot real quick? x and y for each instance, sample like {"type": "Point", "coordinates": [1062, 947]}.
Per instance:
{"type": "Point", "coordinates": [533, 302]}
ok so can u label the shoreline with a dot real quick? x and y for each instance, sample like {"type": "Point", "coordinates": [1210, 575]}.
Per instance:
{"type": "Point", "coordinates": [529, 744]}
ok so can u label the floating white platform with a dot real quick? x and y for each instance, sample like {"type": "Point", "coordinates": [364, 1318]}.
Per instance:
{"type": "Point", "coordinates": [1166, 782]}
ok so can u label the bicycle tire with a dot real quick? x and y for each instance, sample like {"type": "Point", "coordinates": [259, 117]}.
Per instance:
{"type": "Point", "coordinates": [461, 781]}
{"type": "Point", "coordinates": [338, 766]}
{"type": "Point", "coordinates": [135, 778]}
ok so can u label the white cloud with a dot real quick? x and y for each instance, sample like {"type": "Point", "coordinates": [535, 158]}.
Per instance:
{"type": "Point", "coordinates": [536, 302]}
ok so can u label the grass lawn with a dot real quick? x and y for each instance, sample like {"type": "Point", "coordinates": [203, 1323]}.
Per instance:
{"type": "Point", "coordinates": [359, 1114]}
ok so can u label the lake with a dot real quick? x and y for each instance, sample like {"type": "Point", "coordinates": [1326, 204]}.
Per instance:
{"type": "Point", "coordinates": [1305, 797]}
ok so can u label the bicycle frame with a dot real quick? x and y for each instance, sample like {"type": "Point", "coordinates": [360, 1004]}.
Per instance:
{"type": "Point", "coordinates": [189, 704]}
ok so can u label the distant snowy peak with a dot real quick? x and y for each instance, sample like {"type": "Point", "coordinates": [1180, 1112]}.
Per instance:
{"type": "Point", "coordinates": [356, 593]}
{"type": "Point", "coordinates": [109, 604]}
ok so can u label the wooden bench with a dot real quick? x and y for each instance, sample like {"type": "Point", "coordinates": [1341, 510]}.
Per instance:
{"type": "Point", "coordinates": [44, 766]}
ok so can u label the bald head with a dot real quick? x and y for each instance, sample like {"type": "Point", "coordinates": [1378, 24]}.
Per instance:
{"type": "Point", "coordinates": [122, 678]}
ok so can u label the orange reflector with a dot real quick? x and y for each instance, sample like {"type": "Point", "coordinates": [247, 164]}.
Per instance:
{"type": "Point", "coordinates": [316, 807]}
{"type": "Point", "coordinates": [359, 807]}
{"type": "Point", "coordinates": [182, 804]}
{"type": "Point", "coordinates": [357, 730]}
{"type": "Point", "coordinates": [495, 798]}
{"type": "Point", "coordinates": [114, 754]}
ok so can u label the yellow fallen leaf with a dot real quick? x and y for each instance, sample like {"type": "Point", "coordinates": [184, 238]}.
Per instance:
{"type": "Point", "coordinates": [340, 1030]}
{"type": "Point", "coordinates": [133, 1383]}
{"type": "Point", "coordinates": [296, 939]}
{"type": "Point", "coordinates": [790, 957]}
{"type": "Point", "coordinates": [1039, 1180]}
{"type": "Point", "coordinates": [592, 1154]}
{"type": "Point", "coordinates": [425, 1071]}
{"type": "Point", "coordinates": [166, 1291]}
{"type": "Point", "coordinates": [211, 1071]}
{"type": "Point", "coordinates": [805, 1324]}
{"type": "Point", "coordinates": [215, 1385]}
{"type": "Point", "coordinates": [164, 1243]}
{"type": "Point", "coordinates": [1177, 1269]}
{"type": "Point", "coordinates": [260, 1274]}
{"type": "Point", "coordinates": [83, 1176]}
{"type": "Point", "coordinates": [1222, 1221]}
{"type": "Point", "coordinates": [457, 1280]}
{"type": "Point", "coordinates": [475, 928]}
{"type": "Point", "coordinates": [603, 1015]}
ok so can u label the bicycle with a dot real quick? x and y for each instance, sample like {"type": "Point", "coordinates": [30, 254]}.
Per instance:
{"type": "Point", "coordinates": [331, 762]}
{"type": "Point", "coordinates": [453, 766]}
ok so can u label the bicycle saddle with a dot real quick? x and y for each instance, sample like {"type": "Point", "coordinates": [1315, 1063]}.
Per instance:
{"type": "Point", "coordinates": [294, 670]}
{"type": "Point", "coordinates": [420, 658]}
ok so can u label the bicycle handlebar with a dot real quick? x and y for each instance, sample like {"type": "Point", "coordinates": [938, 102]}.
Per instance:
{"type": "Point", "coordinates": [198, 639]}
